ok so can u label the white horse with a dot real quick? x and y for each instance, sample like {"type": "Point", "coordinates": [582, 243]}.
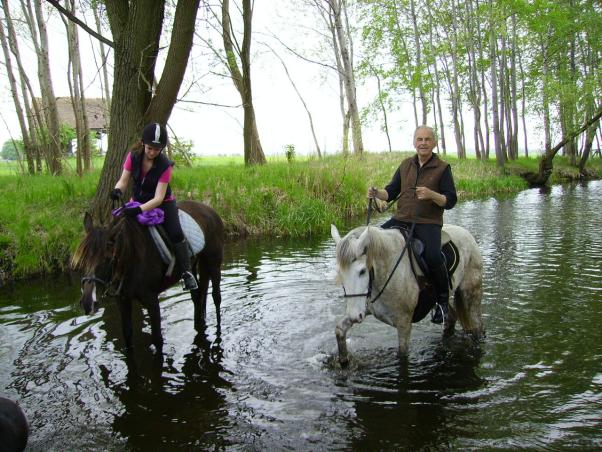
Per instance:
{"type": "Point", "coordinates": [366, 268]}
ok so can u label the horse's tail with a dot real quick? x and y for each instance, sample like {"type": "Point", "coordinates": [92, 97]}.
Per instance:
{"type": "Point", "coordinates": [469, 293]}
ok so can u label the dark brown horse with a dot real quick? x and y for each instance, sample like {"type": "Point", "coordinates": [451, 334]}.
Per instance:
{"type": "Point", "coordinates": [122, 260]}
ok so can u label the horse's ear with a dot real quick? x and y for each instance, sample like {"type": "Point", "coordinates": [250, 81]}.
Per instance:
{"type": "Point", "coordinates": [362, 242]}
{"type": "Point", "coordinates": [334, 232]}
{"type": "Point", "coordinates": [88, 222]}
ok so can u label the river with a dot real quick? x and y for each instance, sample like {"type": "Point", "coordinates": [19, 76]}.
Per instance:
{"type": "Point", "coordinates": [271, 379]}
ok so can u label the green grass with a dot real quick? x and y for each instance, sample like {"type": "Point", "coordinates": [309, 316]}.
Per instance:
{"type": "Point", "coordinates": [41, 216]}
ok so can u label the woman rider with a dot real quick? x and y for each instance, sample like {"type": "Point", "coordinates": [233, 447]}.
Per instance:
{"type": "Point", "coordinates": [151, 171]}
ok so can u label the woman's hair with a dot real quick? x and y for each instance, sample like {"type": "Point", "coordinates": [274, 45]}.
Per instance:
{"type": "Point", "coordinates": [137, 147]}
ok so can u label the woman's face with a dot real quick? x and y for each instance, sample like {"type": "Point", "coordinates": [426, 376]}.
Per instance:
{"type": "Point", "coordinates": [151, 152]}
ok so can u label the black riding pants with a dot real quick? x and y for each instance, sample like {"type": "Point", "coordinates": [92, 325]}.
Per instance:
{"type": "Point", "coordinates": [429, 234]}
{"type": "Point", "coordinates": [171, 221]}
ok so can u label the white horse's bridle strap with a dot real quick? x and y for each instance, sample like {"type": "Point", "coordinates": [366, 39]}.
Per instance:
{"type": "Point", "coordinates": [365, 294]}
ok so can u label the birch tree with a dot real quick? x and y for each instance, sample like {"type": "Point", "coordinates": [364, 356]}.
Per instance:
{"type": "Point", "coordinates": [241, 76]}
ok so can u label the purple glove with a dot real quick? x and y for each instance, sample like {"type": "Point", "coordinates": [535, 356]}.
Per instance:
{"type": "Point", "coordinates": [131, 212]}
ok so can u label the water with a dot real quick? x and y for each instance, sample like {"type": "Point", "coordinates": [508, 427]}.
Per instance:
{"type": "Point", "coordinates": [271, 379]}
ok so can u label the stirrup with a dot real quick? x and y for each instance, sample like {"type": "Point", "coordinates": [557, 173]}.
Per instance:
{"type": "Point", "coordinates": [189, 281]}
{"type": "Point", "coordinates": [439, 316]}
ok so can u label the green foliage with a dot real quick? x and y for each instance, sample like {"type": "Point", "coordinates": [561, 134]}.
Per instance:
{"type": "Point", "coordinates": [11, 149]}
{"type": "Point", "coordinates": [289, 152]}
{"type": "Point", "coordinates": [41, 216]}
{"type": "Point", "coordinates": [181, 152]}
{"type": "Point", "coordinates": [66, 135]}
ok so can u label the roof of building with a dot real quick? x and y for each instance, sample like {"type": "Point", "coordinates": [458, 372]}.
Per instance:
{"type": "Point", "coordinates": [98, 116]}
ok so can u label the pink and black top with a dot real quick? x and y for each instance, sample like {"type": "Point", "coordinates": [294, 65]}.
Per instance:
{"type": "Point", "coordinates": [145, 184]}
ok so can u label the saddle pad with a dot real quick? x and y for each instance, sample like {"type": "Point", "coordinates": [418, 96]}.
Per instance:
{"type": "Point", "coordinates": [192, 231]}
{"type": "Point", "coordinates": [194, 236]}
{"type": "Point", "coordinates": [166, 254]}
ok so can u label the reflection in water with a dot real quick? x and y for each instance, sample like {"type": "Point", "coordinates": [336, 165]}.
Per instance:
{"type": "Point", "coordinates": [271, 380]}
{"type": "Point", "coordinates": [169, 405]}
{"type": "Point", "coordinates": [414, 398]}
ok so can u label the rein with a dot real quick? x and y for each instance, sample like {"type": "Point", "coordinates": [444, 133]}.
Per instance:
{"type": "Point", "coordinates": [368, 293]}
{"type": "Point", "coordinates": [405, 248]}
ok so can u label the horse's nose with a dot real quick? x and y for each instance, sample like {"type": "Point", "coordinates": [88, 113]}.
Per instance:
{"type": "Point", "coordinates": [360, 317]}
{"type": "Point", "coordinates": [88, 298]}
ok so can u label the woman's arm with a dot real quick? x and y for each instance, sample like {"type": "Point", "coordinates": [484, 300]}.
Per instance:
{"type": "Point", "coordinates": [158, 198]}
{"type": "Point", "coordinates": [124, 180]}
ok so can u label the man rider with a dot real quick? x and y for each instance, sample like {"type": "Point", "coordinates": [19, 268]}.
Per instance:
{"type": "Point", "coordinates": [425, 186]}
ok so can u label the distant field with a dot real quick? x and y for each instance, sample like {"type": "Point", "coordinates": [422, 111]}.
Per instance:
{"type": "Point", "coordinates": [9, 167]}
{"type": "Point", "coordinates": [13, 167]}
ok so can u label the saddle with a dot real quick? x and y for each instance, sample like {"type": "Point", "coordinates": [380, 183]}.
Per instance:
{"type": "Point", "coordinates": [451, 257]}
{"type": "Point", "coordinates": [194, 237]}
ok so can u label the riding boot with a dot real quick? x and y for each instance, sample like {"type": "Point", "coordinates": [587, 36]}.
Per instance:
{"type": "Point", "coordinates": [441, 282]}
{"type": "Point", "coordinates": [183, 261]}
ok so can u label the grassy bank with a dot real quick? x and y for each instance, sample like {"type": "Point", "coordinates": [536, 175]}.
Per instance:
{"type": "Point", "coordinates": [41, 216]}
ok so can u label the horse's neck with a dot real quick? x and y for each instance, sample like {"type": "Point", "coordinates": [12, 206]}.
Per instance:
{"type": "Point", "coordinates": [394, 244]}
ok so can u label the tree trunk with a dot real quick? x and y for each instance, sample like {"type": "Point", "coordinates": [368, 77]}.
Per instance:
{"type": "Point", "coordinates": [104, 64]}
{"type": "Point", "coordinates": [513, 91]}
{"type": "Point", "coordinates": [499, 156]}
{"type": "Point", "coordinates": [383, 109]}
{"type": "Point", "coordinates": [589, 139]}
{"type": "Point", "coordinates": [441, 128]}
{"type": "Point", "coordinates": [523, 102]}
{"type": "Point", "coordinates": [78, 101]}
{"type": "Point", "coordinates": [545, 99]}
{"type": "Point", "coordinates": [337, 7]}
{"type": "Point", "coordinates": [39, 34]}
{"type": "Point", "coordinates": [418, 69]}
{"type": "Point", "coordinates": [242, 80]}
{"type": "Point", "coordinates": [15, 93]}
{"type": "Point", "coordinates": [546, 164]}
{"type": "Point", "coordinates": [311, 122]}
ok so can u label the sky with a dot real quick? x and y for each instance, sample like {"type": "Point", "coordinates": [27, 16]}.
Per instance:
{"type": "Point", "coordinates": [281, 117]}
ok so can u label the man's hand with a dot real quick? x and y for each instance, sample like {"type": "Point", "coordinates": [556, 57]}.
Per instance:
{"type": "Point", "coordinates": [374, 192]}
{"type": "Point", "coordinates": [425, 194]}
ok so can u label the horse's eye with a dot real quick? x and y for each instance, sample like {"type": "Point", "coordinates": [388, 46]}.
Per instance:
{"type": "Point", "coordinates": [362, 272]}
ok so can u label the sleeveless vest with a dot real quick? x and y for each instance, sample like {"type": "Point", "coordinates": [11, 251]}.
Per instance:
{"type": "Point", "coordinates": [144, 188]}
{"type": "Point", "coordinates": [409, 208]}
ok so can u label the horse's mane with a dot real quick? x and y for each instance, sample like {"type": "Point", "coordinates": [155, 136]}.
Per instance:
{"type": "Point", "coordinates": [345, 249]}
{"type": "Point", "coordinates": [377, 246]}
{"type": "Point", "coordinates": [91, 250]}
{"type": "Point", "coordinates": [123, 239]}
{"type": "Point", "coordinates": [129, 245]}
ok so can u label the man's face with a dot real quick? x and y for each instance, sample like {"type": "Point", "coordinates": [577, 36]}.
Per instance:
{"type": "Point", "coordinates": [424, 143]}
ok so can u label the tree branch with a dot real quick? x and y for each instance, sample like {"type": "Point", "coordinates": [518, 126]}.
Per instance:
{"type": "Point", "coordinates": [74, 19]}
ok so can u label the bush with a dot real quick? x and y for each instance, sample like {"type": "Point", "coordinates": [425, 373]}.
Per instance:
{"type": "Point", "coordinates": [11, 149]}
{"type": "Point", "coordinates": [289, 152]}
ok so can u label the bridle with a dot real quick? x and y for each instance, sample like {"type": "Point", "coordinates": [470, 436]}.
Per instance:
{"type": "Point", "coordinates": [365, 294]}
{"type": "Point", "coordinates": [107, 285]}
{"type": "Point", "coordinates": [368, 293]}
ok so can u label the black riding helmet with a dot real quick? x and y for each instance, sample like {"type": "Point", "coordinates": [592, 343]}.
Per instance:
{"type": "Point", "coordinates": [155, 134]}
